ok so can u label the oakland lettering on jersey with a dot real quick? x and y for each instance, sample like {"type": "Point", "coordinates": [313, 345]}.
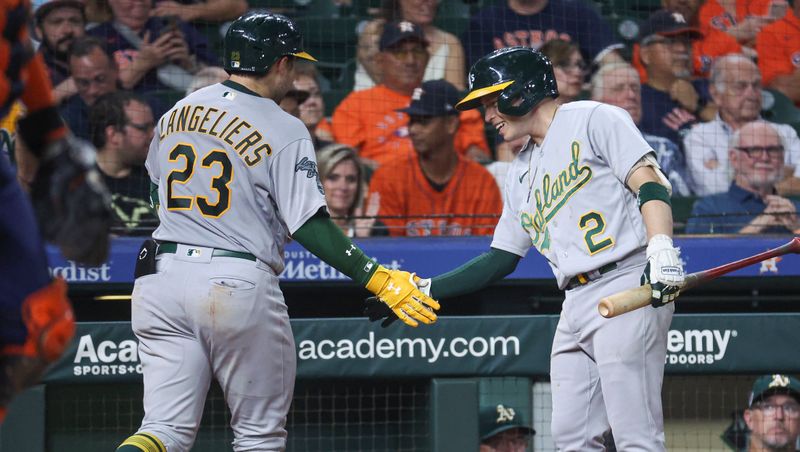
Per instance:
{"type": "Point", "coordinates": [234, 131]}
{"type": "Point", "coordinates": [553, 195]}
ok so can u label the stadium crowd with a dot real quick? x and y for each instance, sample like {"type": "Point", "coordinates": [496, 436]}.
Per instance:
{"type": "Point", "coordinates": [713, 86]}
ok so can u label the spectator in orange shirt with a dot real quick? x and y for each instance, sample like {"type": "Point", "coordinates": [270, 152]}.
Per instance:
{"type": "Point", "coordinates": [368, 119]}
{"type": "Point", "coordinates": [435, 191]}
{"type": "Point", "coordinates": [778, 47]}
{"type": "Point", "coordinates": [741, 19]}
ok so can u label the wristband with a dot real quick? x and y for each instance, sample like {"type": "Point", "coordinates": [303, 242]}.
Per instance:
{"type": "Point", "coordinates": [653, 191]}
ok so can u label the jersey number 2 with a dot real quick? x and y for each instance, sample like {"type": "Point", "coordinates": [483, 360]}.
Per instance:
{"type": "Point", "coordinates": [594, 224]}
{"type": "Point", "coordinates": [183, 175]}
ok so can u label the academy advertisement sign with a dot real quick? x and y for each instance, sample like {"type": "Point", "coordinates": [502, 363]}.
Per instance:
{"type": "Point", "coordinates": [461, 346]}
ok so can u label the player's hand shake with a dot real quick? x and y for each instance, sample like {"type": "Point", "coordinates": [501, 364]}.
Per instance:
{"type": "Point", "coordinates": [401, 295]}
{"type": "Point", "coordinates": [664, 271]}
{"type": "Point", "coordinates": [375, 309]}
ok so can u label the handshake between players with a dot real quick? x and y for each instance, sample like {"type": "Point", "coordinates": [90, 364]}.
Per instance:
{"type": "Point", "coordinates": [400, 295]}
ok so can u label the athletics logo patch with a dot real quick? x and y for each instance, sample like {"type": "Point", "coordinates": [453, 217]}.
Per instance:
{"type": "Point", "coordinates": [310, 167]}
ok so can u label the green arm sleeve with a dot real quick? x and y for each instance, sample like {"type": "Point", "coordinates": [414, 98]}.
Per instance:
{"type": "Point", "coordinates": [154, 202]}
{"type": "Point", "coordinates": [476, 274]}
{"type": "Point", "coordinates": [323, 238]}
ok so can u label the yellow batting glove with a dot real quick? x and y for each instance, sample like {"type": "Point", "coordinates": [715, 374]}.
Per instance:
{"type": "Point", "coordinates": [399, 291]}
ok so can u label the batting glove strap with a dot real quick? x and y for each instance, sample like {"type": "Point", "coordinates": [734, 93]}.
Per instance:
{"type": "Point", "coordinates": [661, 293]}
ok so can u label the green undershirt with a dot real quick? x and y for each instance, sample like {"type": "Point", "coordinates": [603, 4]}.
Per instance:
{"type": "Point", "coordinates": [476, 274]}
{"type": "Point", "coordinates": [322, 237]}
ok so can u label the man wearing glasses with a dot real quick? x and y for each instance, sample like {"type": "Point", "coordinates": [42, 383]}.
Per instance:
{"type": "Point", "coordinates": [751, 205]}
{"type": "Point", "coordinates": [94, 73]}
{"type": "Point", "coordinates": [670, 99]}
{"type": "Point", "coordinates": [735, 86]}
{"type": "Point", "coordinates": [121, 125]}
{"type": "Point", "coordinates": [774, 414]}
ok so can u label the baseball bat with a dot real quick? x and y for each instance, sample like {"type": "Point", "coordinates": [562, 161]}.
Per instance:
{"type": "Point", "coordinates": [639, 297]}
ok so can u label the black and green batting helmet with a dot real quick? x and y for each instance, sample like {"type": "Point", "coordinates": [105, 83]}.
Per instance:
{"type": "Point", "coordinates": [518, 73]}
{"type": "Point", "coordinates": [257, 39]}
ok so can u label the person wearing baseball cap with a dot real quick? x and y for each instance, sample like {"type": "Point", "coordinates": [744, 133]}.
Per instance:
{"type": "Point", "coordinates": [58, 24]}
{"type": "Point", "coordinates": [503, 429]}
{"type": "Point", "coordinates": [435, 180]}
{"type": "Point", "coordinates": [670, 99]}
{"type": "Point", "coordinates": [773, 414]}
{"type": "Point", "coordinates": [368, 120]}
{"type": "Point", "coordinates": [395, 33]}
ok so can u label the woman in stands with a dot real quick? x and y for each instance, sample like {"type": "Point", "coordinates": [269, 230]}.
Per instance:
{"type": "Point", "coordinates": [342, 177]}
{"type": "Point", "coordinates": [568, 67]}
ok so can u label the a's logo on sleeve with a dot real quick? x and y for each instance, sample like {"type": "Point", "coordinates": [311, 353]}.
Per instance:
{"type": "Point", "coordinates": [310, 167]}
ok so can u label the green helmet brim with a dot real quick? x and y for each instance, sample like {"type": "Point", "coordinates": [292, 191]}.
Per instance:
{"type": "Point", "coordinates": [473, 98]}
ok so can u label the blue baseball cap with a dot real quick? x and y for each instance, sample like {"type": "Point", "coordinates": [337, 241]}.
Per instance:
{"type": "Point", "coordinates": [397, 32]}
{"type": "Point", "coordinates": [433, 98]}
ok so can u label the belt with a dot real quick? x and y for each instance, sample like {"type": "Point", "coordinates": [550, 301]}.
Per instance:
{"type": "Point", "coordinates": [172, 248]}
{"type": "Point", "coordinates": [583, 278]}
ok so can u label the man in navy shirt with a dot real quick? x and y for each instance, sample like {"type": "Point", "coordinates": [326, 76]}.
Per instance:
{"type": "Point", "coordinates": [533, 22]}
{"type": "Point", "coordinates": [95, 74]}
{"type": "Point", "coordinates": [670, 100]}
{"type": "Point", "coordinates": [153, 53]}
{"type": "Point", "coordinates": [751, 205]}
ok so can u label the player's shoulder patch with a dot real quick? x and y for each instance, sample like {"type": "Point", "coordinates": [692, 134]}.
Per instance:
{"type": "Point", "coordinates": [310, 168]}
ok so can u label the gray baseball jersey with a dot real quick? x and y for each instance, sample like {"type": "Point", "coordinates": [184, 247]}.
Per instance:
{"type": "Point", "coordinates": [234, 172]}
{"type": "Point", "coordinates": [236, 175]}
{"type": "Point", "coordinates": [569, 194]}
{"type": "Point", "coordinates": [568, 198]}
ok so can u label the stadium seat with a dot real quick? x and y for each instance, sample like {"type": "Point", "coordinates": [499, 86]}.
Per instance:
{"type": "Point", "coordinates": [332, 99]}
{"type": "Point", "coordinates": [330, 41]}
{"type": "Point", "coordinates": [168, 96]}
{"type": "Point", "coordinates": [776, 107]}
{"type": "Point", "coordinates": [681, 211]}
{"type": "Point", "coordinates": [454, 8]}
{"type": "Point", "coordinates": [452, 24]}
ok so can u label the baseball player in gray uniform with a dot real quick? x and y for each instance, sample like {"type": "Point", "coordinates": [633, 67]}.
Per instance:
{"type": "Point", "coordinates": [587, 192]}
{"type": "Point", "coordinates": [234, 177]}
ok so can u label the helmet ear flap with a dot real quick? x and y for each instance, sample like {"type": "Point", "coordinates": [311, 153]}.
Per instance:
{"type": "Point", "coordinates": [510, 96]}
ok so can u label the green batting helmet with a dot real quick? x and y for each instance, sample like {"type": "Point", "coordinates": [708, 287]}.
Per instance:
{"type": "Point", "coordinates": [257, 39]}
{"type": "Point", "coordinates": [518, 73]}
